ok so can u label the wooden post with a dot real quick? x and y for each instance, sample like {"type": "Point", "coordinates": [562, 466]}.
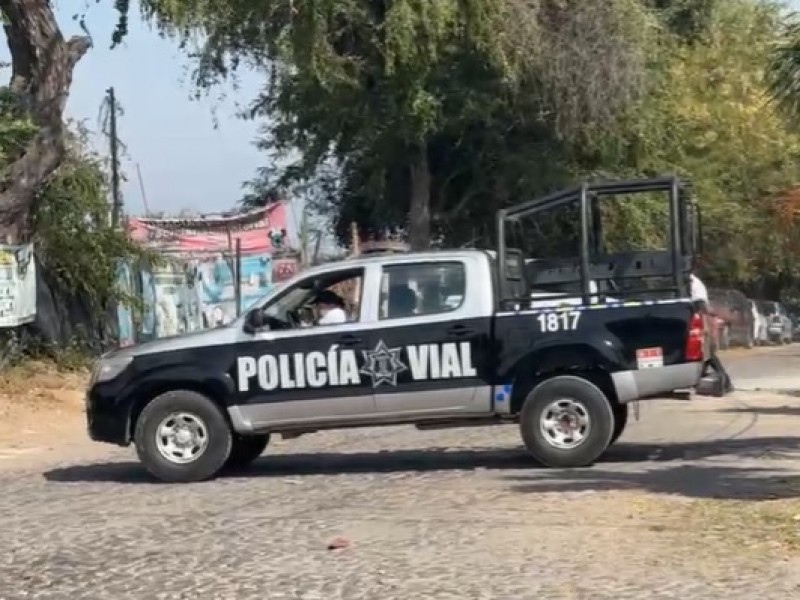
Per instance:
{"type": "Point", "coordinates": [237, 278]}
{"type": "Point", "coordinates": [356, 251]}
{"type": "Point", "coordinates": [116, 210]}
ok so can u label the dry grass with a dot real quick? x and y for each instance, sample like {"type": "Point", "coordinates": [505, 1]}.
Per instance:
{"type": "Point", "coordinates": [35, 385]}
{"type": "Point", "coordinates": [741, 525]}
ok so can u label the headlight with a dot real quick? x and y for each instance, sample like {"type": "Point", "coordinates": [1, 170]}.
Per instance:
{"type": "Point", "coordinates": [107, 369]}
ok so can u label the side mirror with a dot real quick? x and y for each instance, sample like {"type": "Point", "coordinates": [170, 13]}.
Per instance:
{"type": "Point", "coordinates": [254, 320]}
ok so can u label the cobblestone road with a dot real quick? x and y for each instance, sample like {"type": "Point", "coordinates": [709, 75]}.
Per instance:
{"type": "Point", "coordinates": [455, 514]}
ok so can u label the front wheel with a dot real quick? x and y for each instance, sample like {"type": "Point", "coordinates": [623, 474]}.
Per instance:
{"type": "Point", "coordinates": [246, 449]}
{"type": "Point", "coordinates": [566, 422]}
{"type": "Point", "coordinates": [182, 436]}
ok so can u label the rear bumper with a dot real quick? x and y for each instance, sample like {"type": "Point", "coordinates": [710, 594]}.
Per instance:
{"type": "Point", "coordinates": [645, 383]}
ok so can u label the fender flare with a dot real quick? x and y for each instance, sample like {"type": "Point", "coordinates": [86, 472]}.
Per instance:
{"type": "Point", "coordinates": [217, 385]}
{"type": "Point", "coordinates": [602, 356]}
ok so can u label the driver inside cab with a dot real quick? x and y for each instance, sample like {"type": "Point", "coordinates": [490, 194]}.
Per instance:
{"type": "Point", "coordinates": [330, 308]}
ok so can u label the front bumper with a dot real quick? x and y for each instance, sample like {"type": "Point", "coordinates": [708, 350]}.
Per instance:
{"type": "Point", "coordinates": [103, 423]}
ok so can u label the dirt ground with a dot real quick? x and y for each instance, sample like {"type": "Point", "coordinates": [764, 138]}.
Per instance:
{"type": "Point", "coordinates": [41, 410]}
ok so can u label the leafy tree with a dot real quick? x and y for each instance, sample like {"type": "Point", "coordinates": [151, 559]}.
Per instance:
{"type": "Point", "coordinates": [379, 87]}
{"type": "Point", "coordinates": [719, 128]}
{"type": "Point", "coordinates": [433, 115]}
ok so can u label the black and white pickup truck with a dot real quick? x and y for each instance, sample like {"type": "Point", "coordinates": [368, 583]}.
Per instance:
{"type": "Point", "coordinates": [435, 339]}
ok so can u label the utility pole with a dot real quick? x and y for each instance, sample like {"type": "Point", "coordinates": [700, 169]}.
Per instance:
{"type": "Point", "coordinates": [116, 210]}
{"type": "Point", "coordinates": [144, 194]}
{"type": "Point", "coordinates": [304, 240]}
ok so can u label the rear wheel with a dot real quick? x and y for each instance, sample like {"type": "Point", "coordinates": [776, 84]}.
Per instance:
{"type": "Point", "coordinates": [182, 436]}
{"type": "Point", "coordinates": [620, 421]}
{"type": "Point", "coordinates": [246, 449]}
{"type": "Point", "coordinates": [566, 421]}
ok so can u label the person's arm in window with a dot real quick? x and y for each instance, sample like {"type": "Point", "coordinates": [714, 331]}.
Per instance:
{"type": "Point", "coordinates": [335, 316]}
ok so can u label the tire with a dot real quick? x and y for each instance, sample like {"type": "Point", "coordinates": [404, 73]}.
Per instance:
{"type": "Point", "coordinates": [621, 412]}
{"type": "Point", "coordinates": [579, 400]}
{"type": "Point", "coordinates": [174, 459]}
{"type": "Point", "coordinates": [245, 449]}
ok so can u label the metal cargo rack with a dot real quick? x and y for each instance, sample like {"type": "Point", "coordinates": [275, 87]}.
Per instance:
{"type": "Point", "coordinates": [519, 274]}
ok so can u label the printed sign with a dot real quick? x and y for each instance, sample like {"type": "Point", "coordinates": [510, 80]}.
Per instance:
{"type": "Point", "coordinates": [649, 358]}
{"type": "Point", "coordinates": [17, 285]}
{"type": "Point", "coordinates": [345, 367]}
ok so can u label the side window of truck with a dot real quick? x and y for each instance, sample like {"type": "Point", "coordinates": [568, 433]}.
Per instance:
{"type": "Point", "coordinates": [421, 289]}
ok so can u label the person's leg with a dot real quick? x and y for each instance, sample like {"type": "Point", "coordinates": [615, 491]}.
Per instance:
{"type": "Point", "coordinates": [715, 363]}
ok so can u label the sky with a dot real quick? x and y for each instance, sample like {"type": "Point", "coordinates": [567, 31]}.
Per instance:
{"type": "Point", "coordinates": [186, 162]}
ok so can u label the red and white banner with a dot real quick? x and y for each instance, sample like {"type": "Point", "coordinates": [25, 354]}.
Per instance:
{"type": "Point", "coordinates": [210, 234]}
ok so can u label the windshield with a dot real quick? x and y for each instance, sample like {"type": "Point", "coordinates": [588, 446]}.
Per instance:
{"type": "Point", "coordinates": [288, 302]}
{"type": "Point", "coordinates": [260, 301]}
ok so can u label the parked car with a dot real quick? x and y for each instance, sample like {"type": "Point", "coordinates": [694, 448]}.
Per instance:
{"type": "Point", "coordinates": [780, 328]}
{"type": "Point", "coordinates": [734, 317]}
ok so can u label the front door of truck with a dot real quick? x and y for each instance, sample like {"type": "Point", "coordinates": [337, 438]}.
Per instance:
{"type": "Point", "coordinates": [295, 372]}
{"type": "Point", "coordinates": [427, 355]}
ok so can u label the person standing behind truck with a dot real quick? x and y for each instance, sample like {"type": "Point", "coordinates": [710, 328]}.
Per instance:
{"type": "Point", "coordinates": [699, 295]}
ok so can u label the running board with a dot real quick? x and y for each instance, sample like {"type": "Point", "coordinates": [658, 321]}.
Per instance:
{"type": "Point", "coordinates": [458, 423]}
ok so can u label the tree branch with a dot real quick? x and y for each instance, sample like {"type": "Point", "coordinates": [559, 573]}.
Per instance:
{"type": "Point", "coordinates": [42, 66]}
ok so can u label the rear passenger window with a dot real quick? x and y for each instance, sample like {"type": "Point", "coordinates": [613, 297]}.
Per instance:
{"type": "Point", "coordinates": [416, 290]}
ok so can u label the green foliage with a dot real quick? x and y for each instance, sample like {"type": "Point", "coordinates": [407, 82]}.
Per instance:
{"type": "Point", "coordinates": [15, 128]}
{"type": "Point", "coordinates": [721, 129]}
{"type": "Point", "coordinates": [73, 238]}
{"type": "Point", "coordinates": [18, 348]}
{"type": "Point", "coordinates": [783, 70]}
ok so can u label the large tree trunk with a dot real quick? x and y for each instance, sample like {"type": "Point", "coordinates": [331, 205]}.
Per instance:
{"type": "Point", "coordinates": [419, 218]}
{"type": "Point", "coordinates": [42, 64]}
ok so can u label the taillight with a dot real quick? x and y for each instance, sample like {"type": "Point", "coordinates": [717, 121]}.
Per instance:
{"type": "Point", "coordinates": [694, 341]}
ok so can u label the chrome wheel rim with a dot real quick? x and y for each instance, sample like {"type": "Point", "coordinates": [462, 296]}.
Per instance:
{"type": "Point", "coordinates": [565, 423]}
{"type": "Point", "coordinates": [181, 437]}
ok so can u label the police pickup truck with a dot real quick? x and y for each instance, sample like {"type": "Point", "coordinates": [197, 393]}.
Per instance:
{"type": "Point", "coordinates": [436, 339]}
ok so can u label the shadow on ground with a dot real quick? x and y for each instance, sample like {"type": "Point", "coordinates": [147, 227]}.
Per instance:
{"type": "Point", "coordinates": [787, 411]}
{"type": "Point", "coordinates": [625, 466]}
{"type": "Point", "coordinates": [691, 481]}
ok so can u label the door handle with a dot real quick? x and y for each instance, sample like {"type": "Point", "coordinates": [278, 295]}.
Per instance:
{"type": "Point", "coordinates": [349, 340]}
{"type": "Point", "coordinates": [460, 331]}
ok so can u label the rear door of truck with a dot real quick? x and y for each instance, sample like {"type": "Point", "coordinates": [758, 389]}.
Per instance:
{"type": "Point", "coordinates": [429, 355]}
